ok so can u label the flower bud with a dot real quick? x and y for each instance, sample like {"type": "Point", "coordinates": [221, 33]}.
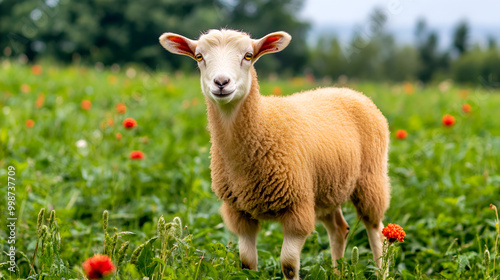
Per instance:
{"type": "Point", "coordinates": [486, 258]}
{"type": "Point", "coordinates": [354, 256]}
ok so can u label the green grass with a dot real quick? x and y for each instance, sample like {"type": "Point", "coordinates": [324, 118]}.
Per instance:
{"type": "Point", "coordinates": [443, 179]}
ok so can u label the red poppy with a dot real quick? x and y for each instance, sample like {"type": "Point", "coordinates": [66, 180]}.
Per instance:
{"type": "Point", "coordinates": [394, 232]}
{"type": "Point", "coordinates": [277, 91]}
{"type": "Point", "coordinates": [137, 155]}
{"type": "Point", "coordinates": [118, 136]}
{"type": "Point", "coordinates": [98, 266]}
{"type": "Point", "coordinates": [466, 108]}
{"type": "Point", "coordinates": [464, 93]}
{"type": "Point", "coordinates": [39, 101]}
{"type": "Point", "coordinates": [25, 88]}
{"type": "Point", "coordinates": [36, 69]}
{"type": "Point", "coordinates": [401, 134]}
{"type": "Point", "coordinates": [86, 104]}
{"type": "Point", "coordinates": [30, 123]}
{"type": "Point", "coordinates": [448, 120]}
{"type": "Point", "coordinates": [408, 88]}
{"type": "Point", "coordinates": [129, 123]}
{"type": "Point", "coordinates": [121, 108]}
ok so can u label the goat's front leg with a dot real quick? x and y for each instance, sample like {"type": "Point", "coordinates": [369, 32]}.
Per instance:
{"type": "Point", "coordinates": [246, 228]}
{"type": "Point", "coordinates": [297, 225]}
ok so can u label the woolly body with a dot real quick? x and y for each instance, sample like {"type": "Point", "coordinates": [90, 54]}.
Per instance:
{"type": "Point", "coordinates": [311, 147]}
{"type": "Point", "coordinates": [292, 159]}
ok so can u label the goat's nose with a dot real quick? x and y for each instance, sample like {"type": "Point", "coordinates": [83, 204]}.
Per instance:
{"type": "Point", "coordinates": [221, 81]}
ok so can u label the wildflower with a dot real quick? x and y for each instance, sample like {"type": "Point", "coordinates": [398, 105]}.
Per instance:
{"type": "Point", "coordinates": [25, 88]}
{"type": "Point", "coordinates": [408, 88]}
{"type": "Point", "coordinates": [277, 91]}
{"type": "Point", "coordinates": [394, 232]}
{"type": "Point", "coordinates": [401, 134]}
{"type": "Point", "coordinates": [118, 136]}
{"type": "Point", "coordinates": [466, 108]}
{"type": "Point", "coordinates": [81, 144]}
{"type": "Point", "coordinates": [112, 79]}
{"type": "Point", "coordinates": [98, 266]}
{"type": "Point", "coordinates": [137, 155]}
{"type": "Point", "coordinates": [40, 100]}
{"type": "Point", "coordinates": [445, 85]}
{"type": "Point", "coordinates": [86, 104]}
{"type": "Point", "coordinates": [110, 121]}
{"type": "Point", "coordinates": [310, 78]}
{"type": "Point", "coordinates": [129, 123]}
{"type": "Point", "coordinates": [130, 73]}
{"type": "Point", "coordinates": [463, 93]}
{"type": "Point", "coordinates": [448, 120]}
{"type": "Point", "coordinates": [36, 69]}
{"type": "Point", "coordinates": [121, 108]}
{"type": "Point", "coordinates": [30, 123]}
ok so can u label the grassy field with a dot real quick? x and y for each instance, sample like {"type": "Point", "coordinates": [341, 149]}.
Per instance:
{"type": "Point", "coordinates": [71, 160]}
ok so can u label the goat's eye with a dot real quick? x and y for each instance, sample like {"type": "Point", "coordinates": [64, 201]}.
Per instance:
{"type": "Point", "coordinates": [198, 57]}
{"type": "Point", "coordinates": [248, 56]}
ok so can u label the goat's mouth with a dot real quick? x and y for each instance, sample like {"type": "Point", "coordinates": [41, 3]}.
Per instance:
{"type": "Point", "coordinates": [222, 93]}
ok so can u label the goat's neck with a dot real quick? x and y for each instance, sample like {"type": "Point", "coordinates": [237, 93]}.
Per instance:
{"type": "Point", "coordinates": [226, 128]}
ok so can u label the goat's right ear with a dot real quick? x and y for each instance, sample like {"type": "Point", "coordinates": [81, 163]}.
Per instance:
{"type": "Point", "coordinates": [178, 44]}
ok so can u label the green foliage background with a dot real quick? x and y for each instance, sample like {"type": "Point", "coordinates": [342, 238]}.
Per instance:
{"type": "Point", "coordinates": [443, 178]}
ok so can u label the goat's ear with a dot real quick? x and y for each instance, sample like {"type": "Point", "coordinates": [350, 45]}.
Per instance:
{"type": "Point", "coordinates": [178, 44]}
{"type": "Point", "coordinates": [271, 43]}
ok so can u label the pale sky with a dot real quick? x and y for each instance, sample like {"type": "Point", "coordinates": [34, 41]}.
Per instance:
{"type": "Point", "coordinates": [404, 12]}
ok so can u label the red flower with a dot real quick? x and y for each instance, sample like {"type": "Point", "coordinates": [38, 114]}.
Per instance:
{"type": "Point", "coordinates": [86, 104]}
{"type": "Point", "coordinates": [401, 134]}
{"type": "Point", "coordinates": [110, 121]}
{"type": "Point", "coordinates": [98, 266]}
{"type": "Point", "coordinates": [408, 88]}
{"type": "Point", "coordinates": [137, 155]}
{"type": "Point", "coordinates": [129, 123]}
{"type": "Point", "coordinates": [276, 90]}
{"type": "Point", "coordinates": [36, 69]}
{"type": "Point", "coordinates": [448, 120]}
{"type": "Point", "coordinates": [118, 136]}
{"type": "Point", "coordinates": [466, 108]}
{"type": "Point", "coordinates": [39, 101]}
{"type": "Point", "coordinates": [121, 108]}
{"type": "Point", "coordinates": [30, 123]}
{"type": "Point", "coordinates": [394, 232]}
{"type": "Point", "coordinates": [25, 88]}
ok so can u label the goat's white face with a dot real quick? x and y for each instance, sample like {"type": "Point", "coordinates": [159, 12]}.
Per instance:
{"type": "Point", "coordinates": [225, 58]}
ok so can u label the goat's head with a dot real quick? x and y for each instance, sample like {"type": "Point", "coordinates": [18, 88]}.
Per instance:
{"type": "Point", "coordinates": [225, 58]}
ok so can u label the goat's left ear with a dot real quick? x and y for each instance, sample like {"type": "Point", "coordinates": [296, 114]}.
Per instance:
{"type": "Point", "coordinates": [178, 44]}
{"type": "Point", "coordinates": [271, 43]}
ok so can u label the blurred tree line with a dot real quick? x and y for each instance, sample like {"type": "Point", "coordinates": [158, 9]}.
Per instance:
{"type": "Point", "coordinates": [112, 31]}
{"type": "Point", "coordinates": [373, 54]}
{"type": "Point", "coordinates": [126, 31]}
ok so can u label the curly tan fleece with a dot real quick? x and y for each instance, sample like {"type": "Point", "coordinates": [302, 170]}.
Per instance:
{"type": "Point", "coordinates": [297, 158]}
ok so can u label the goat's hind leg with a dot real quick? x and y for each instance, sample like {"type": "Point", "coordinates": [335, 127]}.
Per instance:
{"type": "Point", "coordinates": [371, 198]}
{"type": "Point", "coordinates": [338, 230]}
{"type": "Point", "coordinates": [246, 228]}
